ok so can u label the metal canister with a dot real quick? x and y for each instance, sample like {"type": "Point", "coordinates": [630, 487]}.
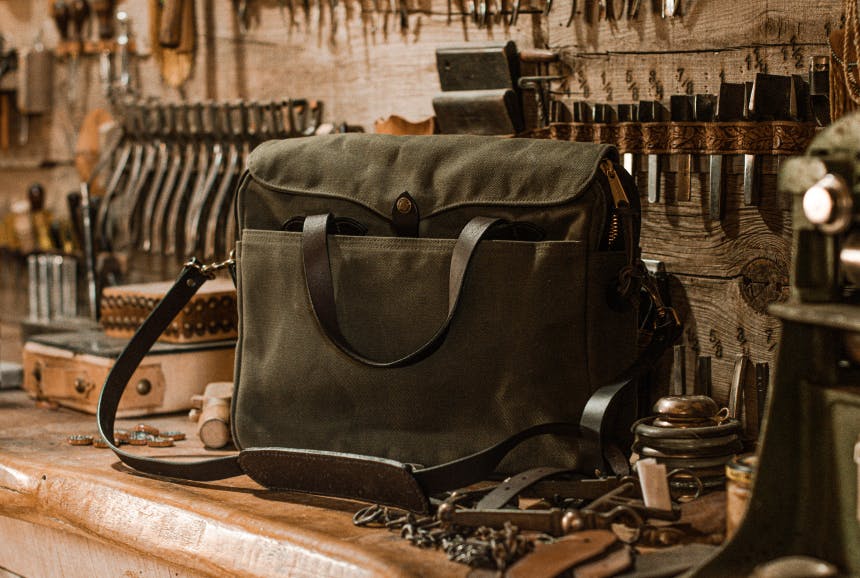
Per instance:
{"type": "Point", "coordinates": [33, 286]}
{"type": "Point", "coordinates": [44, 286]}
{"type": "Point", "coordinates": [70, 287]}
{"type": "Point", "coordinates": [740, 473]}
{"type": "Point", "coordinates": [55, 291]}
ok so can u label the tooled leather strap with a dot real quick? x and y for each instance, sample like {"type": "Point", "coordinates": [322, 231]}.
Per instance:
{"type": "Point", "coordinates": [317, 265]}
{"type": "Point", "coordinates": [718, 138]}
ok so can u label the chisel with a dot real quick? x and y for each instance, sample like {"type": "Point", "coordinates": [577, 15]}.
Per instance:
{"type": "Point", "coordinates": [769, 99]}
{"type": "Point", "coordinates": [170, 31]}
{"type": "Point", "coordinates": [604, 113]}
{"type": "Point", "coordinates": [104, 10]}
{"type": "Point", "coordinates": [681, 110]}
{"type": "Point", "coordinates": [628, 113]}
{"type": "Point", "coordinates": [819, 89]}
{"type": "Point", "coordinates": [652, 111]}
{"type": "Point", "coordinates": [730, 108]}
{"type": "Point", "coordinates": [704, 110]}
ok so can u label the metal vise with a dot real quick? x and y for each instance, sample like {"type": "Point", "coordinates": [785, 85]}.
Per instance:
{"type": "Point", "coordinates": [805, 500]}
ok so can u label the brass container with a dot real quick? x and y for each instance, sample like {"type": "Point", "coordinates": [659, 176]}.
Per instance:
{"type": "Point", "coordinates": [740, 473]}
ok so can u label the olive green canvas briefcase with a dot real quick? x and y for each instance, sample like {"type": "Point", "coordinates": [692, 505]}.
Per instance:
{"type": "Point", "coordinates": [413, 308]}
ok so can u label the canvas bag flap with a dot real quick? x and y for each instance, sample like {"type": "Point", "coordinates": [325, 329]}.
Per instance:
{"type": "Point", "coordinates": [441, 172]}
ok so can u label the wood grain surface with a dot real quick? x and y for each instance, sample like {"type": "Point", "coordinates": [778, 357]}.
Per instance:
{"type": "Point", "coordinates": [365, 68]}
{"type": "Point", "coordinates": [126, 524]}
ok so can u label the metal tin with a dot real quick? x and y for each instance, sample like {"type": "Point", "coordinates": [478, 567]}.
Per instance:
{"type": "Point", "coordinates": [69, 277]}
{"type": "Point", "coordinates": [33, 286]}
{"type": "Point", "coordinates": [55, 290]}
{"type": "Point", "coordinates": [44, 286]}
{"type": "Point", "coordinates": [740, 473]}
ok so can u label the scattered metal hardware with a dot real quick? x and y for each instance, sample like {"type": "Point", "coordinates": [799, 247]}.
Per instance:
{"type": "Point", "coordinates": [496, 538]}
{"type": "Point", "coordinates": [80, 440]}
{"type": "Point", "coordinates": [142, 435]}
{"type": "Point", "coordinates": [480, 547]}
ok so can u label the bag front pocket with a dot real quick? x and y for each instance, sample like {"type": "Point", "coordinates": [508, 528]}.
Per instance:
{"type": "Point", "coordinates": [515, 352]}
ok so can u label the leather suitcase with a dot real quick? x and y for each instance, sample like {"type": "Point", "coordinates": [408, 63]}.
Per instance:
{"type": "Point", "coordinates": [70, 369]}
{"type": "Point", "coordinates": [210, 316]}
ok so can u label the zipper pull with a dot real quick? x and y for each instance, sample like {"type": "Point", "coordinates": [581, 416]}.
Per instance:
{"type": "Point", "coordinates": [619, 196]}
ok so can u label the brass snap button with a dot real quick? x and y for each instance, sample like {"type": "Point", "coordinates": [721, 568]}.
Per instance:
{"type": "Point", "coordinates": [404, 205]}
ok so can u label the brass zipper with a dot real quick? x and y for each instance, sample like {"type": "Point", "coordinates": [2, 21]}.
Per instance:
{"type": "Point", "coordinates": [619, 198]}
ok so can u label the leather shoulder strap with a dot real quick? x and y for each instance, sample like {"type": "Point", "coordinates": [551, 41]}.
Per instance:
{"type": "Point", "coordinates": [277, 467]}
{"type": "Point", "coordinates": [189, 281]}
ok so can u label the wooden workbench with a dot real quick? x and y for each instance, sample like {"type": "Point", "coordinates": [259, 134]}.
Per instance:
{"type": "Point", "coordinates": [76, 511]}
{"type": "Point", "coordinates": [69, 511]}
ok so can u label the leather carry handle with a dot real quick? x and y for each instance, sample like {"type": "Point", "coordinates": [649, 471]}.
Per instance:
{"type": "Point", "coordinates": [317, 265]}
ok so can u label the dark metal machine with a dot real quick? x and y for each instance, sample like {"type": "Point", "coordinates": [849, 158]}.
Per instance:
{"type": "Point", "coordinates": [805, 499]}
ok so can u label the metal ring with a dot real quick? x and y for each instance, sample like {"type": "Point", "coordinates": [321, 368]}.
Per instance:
{"type": "Point", "coordinates": [688, 474]}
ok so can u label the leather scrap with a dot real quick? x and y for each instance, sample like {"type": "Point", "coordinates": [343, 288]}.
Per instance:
{"type": "Point", "coordinates": [669, 562]}
{"type": "Point", "coordinates": [550, 560]}
{"type": "Point", "coordinates": [610, 565]}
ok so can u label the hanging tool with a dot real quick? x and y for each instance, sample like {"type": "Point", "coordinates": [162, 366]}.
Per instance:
{"type": "Point", "coordinates": [681, 110]}
{"type": "Point", "coordinates": [123, 48]}
{"type": "Point", "coordinates": [628, 113]}
{"type": "Point", "coordinates": [574, 10]}
{"type": "Point", "coordinates": [153, 240]}
{"type": "Point", "coordinates": [135, 198]}
{"type": "Point", "coordinates": [219, 212]}
{"type": "Point", "coordinates": [170, 31]}
{"type": "Point", "coordinates": [104, 10]}
{"type": "Point", "coordinates": [770, 99]}
{"type": "Point", "coordinates": [201, 200]}
{"type": "Point", "coordinates": [242, 15]}
{"type": "Point", "coordinates": [176, 62]}
{"type": "Point", "coordinates": [8, 62]}
{"type": "Point", "coordinates": [35, 86]}
{"type": "Point", "coordinates": [196, 158]}
{"type": "Point", "coordinates": [819, 89]}
{"type": "Point", "coordinates": [730, 108]}
{"type": "Point", "coordinates": [79, 14]}
{"type": "Point", "coordinates": [704, 110]}
{"type": "Point", "coordinates": [633, 9]}
{"type": "Point", "coordinates": [652, 111]}
{"type": "Point", "coordinates": [61, 14]}
{"type": "Point", "coordinates": [140, 234]}
{"type": "Point", "coordinates": [671, 8]}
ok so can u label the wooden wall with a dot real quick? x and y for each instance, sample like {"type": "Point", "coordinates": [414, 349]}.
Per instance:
{"type": "Point", "coordinates": [724, 273]}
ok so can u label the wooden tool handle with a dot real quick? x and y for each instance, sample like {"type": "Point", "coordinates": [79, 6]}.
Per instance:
{"type": "Point", "coordinates": [62, 18]}
{"type": "Point", "coordinates": [170, 32]}
{"type": "Point", "coordinates": [104, 11]}
{"type": "Point", "coordinates": [80, 13]}
{"type": "Point", "coordinates": [538, 55]}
